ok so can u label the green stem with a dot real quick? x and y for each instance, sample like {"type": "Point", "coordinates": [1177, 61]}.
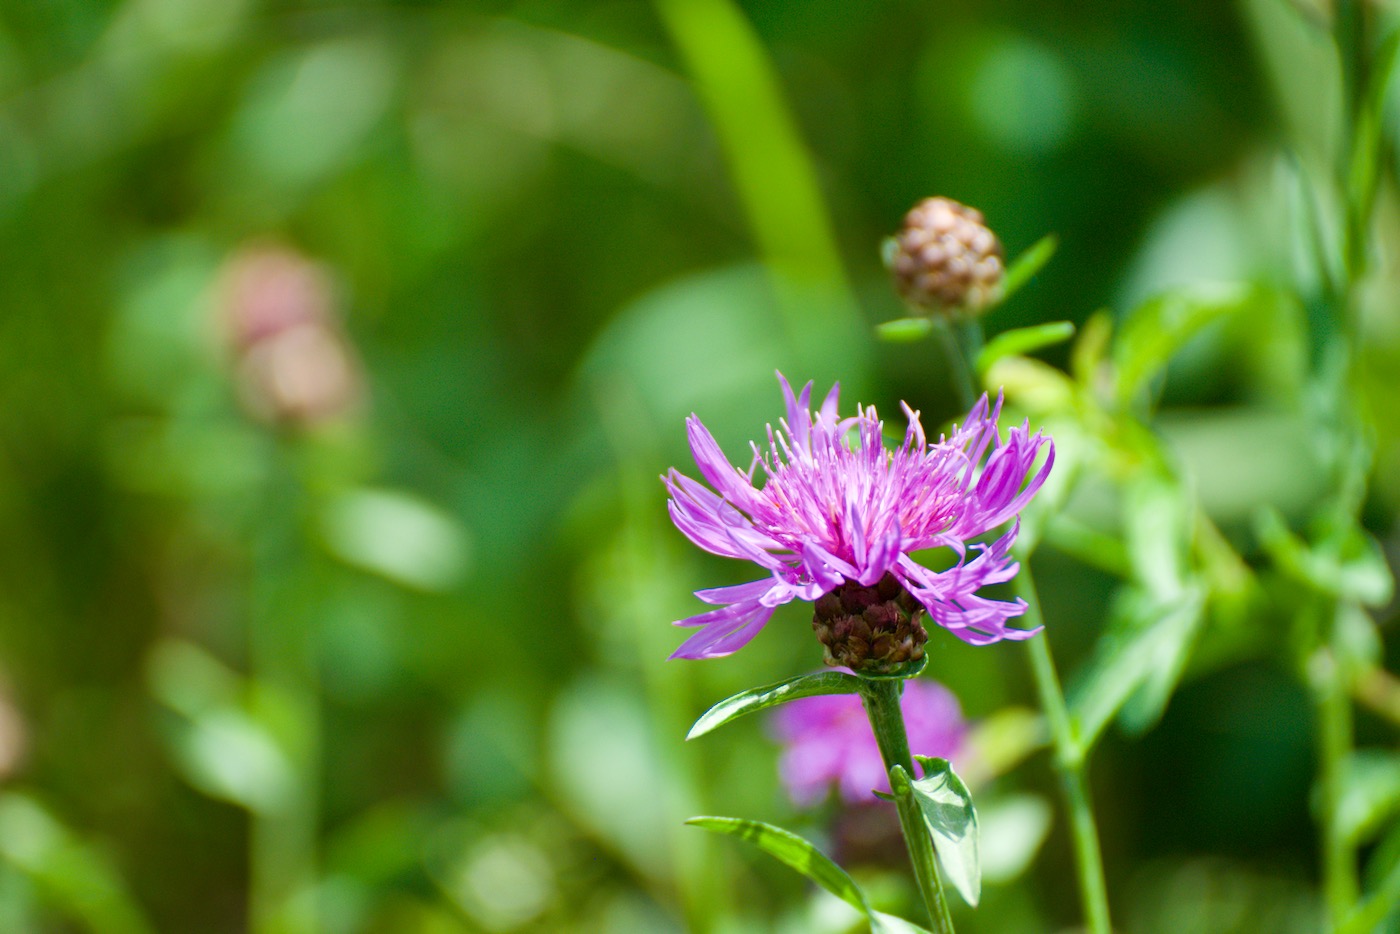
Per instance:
{"type": "Point", "coordinates": [1070, 755]}
{"type": "Point", "coordinates": [881, 698]}
{"type": "Point", "coordinates": [961, 342]}
{"type": "Point", "coordinates": [1341, 884]}
{"type": "Point", "coordinates": [1069, 763]}
{"type": "Point", "coordinates": [285, 701]}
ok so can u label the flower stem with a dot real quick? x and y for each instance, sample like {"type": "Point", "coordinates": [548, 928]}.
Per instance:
{"type": "Point", "coordinates": [962, 342]}
{"type": "Point", "coordinates": [1334, 739]}
{"type": "Point", "coordinates": [881, 698]}
{"type": "Point", "coordinates": [1069, 763]}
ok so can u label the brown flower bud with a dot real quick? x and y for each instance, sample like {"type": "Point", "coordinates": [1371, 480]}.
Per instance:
{"type": "Point", "coordinates": [946, 259]}
{"type": "Point", "coordinates": [875, 630]}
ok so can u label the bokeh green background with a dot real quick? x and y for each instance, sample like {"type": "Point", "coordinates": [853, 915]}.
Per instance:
{"type": "Point", "coordinates": [426, 640]}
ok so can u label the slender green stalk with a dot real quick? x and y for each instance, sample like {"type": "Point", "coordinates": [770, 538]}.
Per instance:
{"type": "Point", "coordinates": [282, 669]}
{"type": "Point", "coordinates": [962, 345]}
{"type": "Point", "coordinates": [1340, 881]}
{"type": "Point", "coordinates": [773, 173]}
{"type": "Point", "coordinates": [1069, 763]}
{"type": "Point", "coordinates": [881, 698]}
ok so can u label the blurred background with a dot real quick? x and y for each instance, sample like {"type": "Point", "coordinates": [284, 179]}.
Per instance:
{"type": "Point", "coordinates": [342, 345]}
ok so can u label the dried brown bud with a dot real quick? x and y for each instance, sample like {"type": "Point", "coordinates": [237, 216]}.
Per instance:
{"type": "Point", "coordinates": [946, 259]}
{"type": "Point", "coordinates": [875, 630]}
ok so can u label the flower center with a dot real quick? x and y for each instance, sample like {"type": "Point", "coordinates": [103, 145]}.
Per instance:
{"type": "Point", "coordinates": [870, 629]}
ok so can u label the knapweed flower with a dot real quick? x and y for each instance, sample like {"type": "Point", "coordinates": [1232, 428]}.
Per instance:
{"type": "Point", "coordinates": [838, 519]}
{"type": "Point", "coordinates": [827, 740]}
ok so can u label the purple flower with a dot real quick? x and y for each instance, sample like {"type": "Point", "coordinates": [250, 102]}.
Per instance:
{"type": "Point", "coordinates": [827, 740]}
{"type": "Point", "coordinates": [831, 511]}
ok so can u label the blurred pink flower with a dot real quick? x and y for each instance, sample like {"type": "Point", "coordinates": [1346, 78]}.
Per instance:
{"type": "Point", "coordinates": [827, 740]}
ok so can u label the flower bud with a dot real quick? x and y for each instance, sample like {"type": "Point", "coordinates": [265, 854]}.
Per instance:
{"type": "Point", "coordinates": [294, 364]}
{"type": "Point", "coordinates": [870, 630]}
{"type": "Point", "coordinates": [946, 259]}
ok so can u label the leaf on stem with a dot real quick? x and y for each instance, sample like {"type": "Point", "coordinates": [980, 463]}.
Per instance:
{"type": "Point", "coordinates": [1347, 563]}
{"type": "Point", "coordinates": [1370, 794]}
{"type": "Point", "coordinates": [948, 814]}
{"type": "Point", "coordinates": [771, 695]}
{"type": "Point", "coordinates": [1024, 267]}
{"type": "Point", "coordinates": [1159, 327]}
{"type": "Point", "coordinates": [1020, 341]}
{"type": "Point", "coordinates": [1143, 654]}
{"type": "Point", "coordinates": [904, 330]}
{"type": "Point", "coordinates": [801, 855]}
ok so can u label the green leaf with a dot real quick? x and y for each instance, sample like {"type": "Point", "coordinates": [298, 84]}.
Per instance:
{"type": "Point", "coordinates": [797, 853]}
{"type": "Point", "coordinates": [948, 813]}
{"type": "Point", "coordinates": [1011, 830]}
{"type": "Point", "coordinates": [1370, 794]}
{"type": "Point", "coordinates": [746, 702]}
{"type": "Point", "coordinates": [1155, 330]}
{"type": "Point", "coordinates": [1021, 341]}
{"type": "Point", "coordinates": [1158, 523]}
{"type": "Point", "coordinates": [904, 330]}
{"type": "Point", "coordinates": [1145, 650]}
{"type": "Point", "coordinates": [72, 874]}
{"type": "Point", "coordinates": [1347, 563]}
{"type": "Point", "coordinates": [400, 536]}
{"type": "Point", "coordinates": [1024, 267]}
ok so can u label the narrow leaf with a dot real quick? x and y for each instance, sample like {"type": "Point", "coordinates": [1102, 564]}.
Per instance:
{"type": "Point", "coordinates": [1024, 267]}
{"type": "Point", "coordinates": [1155, 330]}
{"type": "Point", "coordinates": [745, 702]}
{"type": "Point", "coordinates": [1370, 794]}
{"type": "Point", "coordinates": [1146, 649]}
{"type": "Point", "coordinates": [1021, 341]}
{"type": "Point", "coordinates": [948, 813]}
{"type": "Point", "coordinates": [801, 855]}
{"type": "Point", "coordinates": [904, 330]}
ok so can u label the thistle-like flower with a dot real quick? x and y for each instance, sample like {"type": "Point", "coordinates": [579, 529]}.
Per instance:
{"type": "Point", "coordinates": [827, 741]}
{"type": "Point", "coordinates": [837, 522]}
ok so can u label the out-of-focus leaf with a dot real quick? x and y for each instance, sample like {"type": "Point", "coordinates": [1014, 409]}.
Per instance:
{"type": "Point", "coordinates": [399, 536]}
{"type": "Point", "coordinates": [1159, 327]}
{"type": "Point", "coordinates": [1024, 267]}
{"type": "Point", "coordinates": [948, 814]}
{"type": "Point", "coordinates": [1158, 520]}
{"type": "Point", "coordinates": [1021, 341]}
{"type": "Point", "coordinates": [1147, 646]}
{"type": "Point", "coordinates": [228, 755]}
{"type": "Point", "coordinates": [1011, 832]}
{"type": "Point", "coordinates": [307, 113]}
{"type": "Point", "coordinates": [189, 680]}
{"type": "Point", "coordinates": [599, 736]}
{"type": "Point", "coordinates": [72, 875]}
{"type": "Point", "coordinates": [222, 749]}
{"type": "Point", "coordinates": [904, 330]}
{"type": "Point", "coordinates": [754, 699]}
{"type": "Point", "coordinates": [1348, 564]}
{"type": "Point", "coordinates": [1370, 794]}
{"type": "Point", "coordinates": [1032, 385]}
{"type": "Point", "coordinates": [797, 853]}
{"type": "Point", "coordinates": [1002, 740]}
{"type": "Point", "coordinates": [1087, 355]}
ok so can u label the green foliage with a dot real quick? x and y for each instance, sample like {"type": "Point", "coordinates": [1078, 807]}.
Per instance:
{"type": "Point", "coordinates": [1025, 266]}
{"type": "Point", "coordinates": [1021, 341]}
{"type": "Point", "coordinates": [756, 699]}
{"type": "Point", "coordinates": [947, 809]}
{"type": "Point", "coordinates": [795, 852]}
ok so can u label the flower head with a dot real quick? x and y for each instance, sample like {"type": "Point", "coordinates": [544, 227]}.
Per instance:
{"type": "Point", "coordinates": [827, 740]}
{"type": "Point", "coordinates": [832, 512]}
